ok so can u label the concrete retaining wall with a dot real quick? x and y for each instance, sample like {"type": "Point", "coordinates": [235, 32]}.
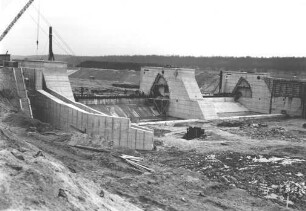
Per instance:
{"type": "Point", "coordinates": [106, 131]}
{"type": "Point", "coordinates": [54, 103]}
{"type": "Point", "coordinates": [55, 75]}
{"type": "Point", "coordinates": [13, 88]}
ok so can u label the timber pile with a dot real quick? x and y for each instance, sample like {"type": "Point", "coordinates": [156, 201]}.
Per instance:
{"type": "Point", "coordinates": [134, 161]}
{"type": "Point", "coordinates": [131, 160]}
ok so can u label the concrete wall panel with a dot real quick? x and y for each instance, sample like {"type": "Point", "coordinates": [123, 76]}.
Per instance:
{"type": "Point", "coordinates": [292, 106]}
{"type": "Point", "coordinates": [57, 107]}
{"type": "Point", "coordinates": [132, 138]}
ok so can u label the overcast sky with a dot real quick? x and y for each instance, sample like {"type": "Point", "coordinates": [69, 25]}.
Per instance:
{"type": "Point", "coordinates": [166, 27]}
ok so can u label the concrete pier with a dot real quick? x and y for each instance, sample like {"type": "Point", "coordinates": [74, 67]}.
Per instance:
{"type": "Point", "coordinates": [185, 98]}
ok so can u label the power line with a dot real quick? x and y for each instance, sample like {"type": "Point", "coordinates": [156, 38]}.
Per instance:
{"type": "Point", "coordinates": [38, 19]}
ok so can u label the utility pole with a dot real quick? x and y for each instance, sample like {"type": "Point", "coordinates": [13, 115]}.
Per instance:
{"type": "Point", "coordinates": [51, 55]}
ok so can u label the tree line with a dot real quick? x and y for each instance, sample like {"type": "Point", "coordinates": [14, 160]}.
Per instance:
{"type": "Point", "coordinates": [226, 63]}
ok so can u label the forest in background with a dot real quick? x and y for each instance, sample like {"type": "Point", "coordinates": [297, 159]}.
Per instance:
{"type": "Point", "coordinates": [295, 64]}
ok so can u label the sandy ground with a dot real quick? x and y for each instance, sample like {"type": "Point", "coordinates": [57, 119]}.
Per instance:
{"type": "Point", "coordinates": [220, 172]}
{"type": "Point", "coordinates": [232, 168]}
{"type": "Point", "coordinates": [31, 178]}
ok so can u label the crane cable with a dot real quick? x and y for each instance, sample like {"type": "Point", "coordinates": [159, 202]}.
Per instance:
{"type": "Point", "coordinates": [38, 20]}
{"type": "Point", "coordinates": [46, 33]}
{"type": "Point", "coordinates": [57, 35]}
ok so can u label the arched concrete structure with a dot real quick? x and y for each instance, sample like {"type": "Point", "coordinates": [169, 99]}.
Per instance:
{"type": "Point", "coordinates": [261, 96]}
{"type": "Point", "coordinates": [160, 87]}
{"type": "Point", "coordinates": [185, 98]}
{"type": "Point", "coordinates": [243, 88]}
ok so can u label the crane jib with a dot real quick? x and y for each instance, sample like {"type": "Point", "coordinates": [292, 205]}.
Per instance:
{"type": "Point", "coordinates": [15, 19]}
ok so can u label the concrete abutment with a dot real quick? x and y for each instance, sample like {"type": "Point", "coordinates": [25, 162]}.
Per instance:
{"type": "Point", "coordinates": [52, 101]}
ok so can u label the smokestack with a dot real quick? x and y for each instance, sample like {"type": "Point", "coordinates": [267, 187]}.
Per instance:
{"type": "Point", "coordinates": [51, 55]}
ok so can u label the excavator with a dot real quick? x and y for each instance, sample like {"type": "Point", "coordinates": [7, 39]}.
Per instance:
{"type": "Point", "coordinates": [15, 19]}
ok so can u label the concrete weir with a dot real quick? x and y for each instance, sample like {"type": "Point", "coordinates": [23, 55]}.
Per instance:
{"type": "Point", "coordinates": [135, 109]}
{"type": "Point", "coordinates": [52, 101]}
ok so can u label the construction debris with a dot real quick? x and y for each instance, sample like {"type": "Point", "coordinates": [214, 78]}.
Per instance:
{"type": "Point", "coordinates": [133, 161]}
{"type": "Point", "coordinates": [38, 154]}
{"type": "Point", "coordinates": [91, 148]}
{"type": "Point", "coordinates": [262, 131]}
{"type": "Point", "coordinates": [292, 190]}
{"type": "Point", "coordinates": [62, 193]}
{"type": "Point", "coordinates": [101, 194]}
{"type": "Point", "coordinates": [260, 175]}
{"type": "Point", "coordinates": [18, 156]}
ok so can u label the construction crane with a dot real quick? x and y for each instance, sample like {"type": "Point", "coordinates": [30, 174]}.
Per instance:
{"type": "Point", "coordinates": [15, 19]}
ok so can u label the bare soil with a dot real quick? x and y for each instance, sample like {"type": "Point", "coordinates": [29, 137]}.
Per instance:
{"type": "Point", "coordinates": [232, 168]}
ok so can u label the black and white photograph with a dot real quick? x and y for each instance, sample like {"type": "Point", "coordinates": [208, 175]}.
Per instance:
{"type": "Point", "coordinates": [153, 105]}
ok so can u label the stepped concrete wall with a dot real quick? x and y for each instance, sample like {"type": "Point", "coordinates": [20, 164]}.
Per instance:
{"type": "Point", "coordinates": [54, 103]}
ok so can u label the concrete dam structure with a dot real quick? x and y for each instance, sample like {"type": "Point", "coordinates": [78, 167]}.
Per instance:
{"type": "Point", "coordinates": [166, 94]}
{"type": "Point", "coordinates": [177, 93]}
{"type": "Point", "coordinates": [261, 93]}
{"type": "Point", "coordinates": [42, 90]}
{"type": "Point", "coordinates": [52, 101]}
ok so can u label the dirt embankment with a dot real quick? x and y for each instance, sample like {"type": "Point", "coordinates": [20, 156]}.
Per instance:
{"type": "Point", "coordinates": [32, 179]}
{"type": "Point", "coordinates": [40, 170]}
